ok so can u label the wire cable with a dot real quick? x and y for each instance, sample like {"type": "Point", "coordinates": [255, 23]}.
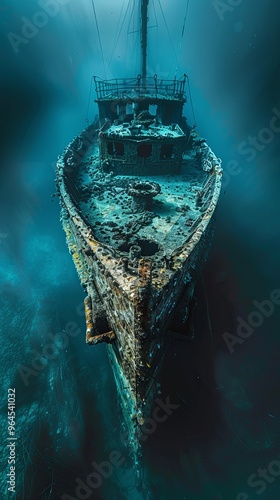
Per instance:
{"type": "Point", "coordinates": [89, 100]}
{"type": "Point", "coordinates": [110, 62]}
{"type": "Point", "coordinates": [191, 101]}
{"type": "Point", "coordinates": [98, 33]}
{"type": "Point", "coordinates": [166, 25]}
{"type": "Point", "coordinates": [182, 37]}
{"type": "Point", "coordinates": [117, 29]}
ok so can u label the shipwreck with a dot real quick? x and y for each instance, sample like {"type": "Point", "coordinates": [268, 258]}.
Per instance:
{"type": "Point", "coordinates": [138, 192]}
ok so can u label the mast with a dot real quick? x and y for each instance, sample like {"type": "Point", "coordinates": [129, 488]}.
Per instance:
{"type": "Point", "coordinates": [144, 36]}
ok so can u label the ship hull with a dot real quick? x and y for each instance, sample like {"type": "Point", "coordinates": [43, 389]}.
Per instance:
{"type": "Point", "coordinates": [135, 314]}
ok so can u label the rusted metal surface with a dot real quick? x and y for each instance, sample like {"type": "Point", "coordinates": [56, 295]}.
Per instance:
{"type": "Point", "coordinates": [107, 337]}
{"type": "Point", "coordinates": [88, 315]}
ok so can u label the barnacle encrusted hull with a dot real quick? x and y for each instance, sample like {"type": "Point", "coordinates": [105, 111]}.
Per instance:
{"type": "Point", "coordinates": [139, 240]}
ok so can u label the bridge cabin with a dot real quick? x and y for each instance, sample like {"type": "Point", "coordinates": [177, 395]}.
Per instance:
{"type": "Point", "coordinates": [139, 119]}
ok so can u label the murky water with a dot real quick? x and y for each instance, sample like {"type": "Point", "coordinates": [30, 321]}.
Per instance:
{"type": "Point", "coordinates": [224, 430]}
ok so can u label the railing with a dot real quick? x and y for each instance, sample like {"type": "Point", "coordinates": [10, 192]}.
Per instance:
{"type": "Point", "coordinates": [121, 87]}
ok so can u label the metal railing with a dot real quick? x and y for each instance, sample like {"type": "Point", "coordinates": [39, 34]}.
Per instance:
{"type": "Point", "coordinates": [122, 87]}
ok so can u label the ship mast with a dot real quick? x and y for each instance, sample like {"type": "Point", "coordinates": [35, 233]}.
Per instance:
{"type": "Point", "coordinates": [144, 36]}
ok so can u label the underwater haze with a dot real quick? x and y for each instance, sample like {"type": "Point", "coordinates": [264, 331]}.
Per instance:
{"type": "Point", "coordinates": [222, 441]}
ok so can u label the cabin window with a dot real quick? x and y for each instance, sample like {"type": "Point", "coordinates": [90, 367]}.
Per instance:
{"type": "Point", "coordinates": [144, 150]}
{"type": "Point", "coordinates": [153, 109]}
{"type": "Point", "coordinates": [110, 148]}
{"type": "Point", "coordinates": [115, 149]}
{"type": "Point", "coordinates": [167, 152]}
{"type": "Point", "coordinates": [119, 149]}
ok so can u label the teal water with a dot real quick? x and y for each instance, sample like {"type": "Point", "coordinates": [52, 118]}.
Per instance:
{"type": "Point", "coordinates": [226, 427]}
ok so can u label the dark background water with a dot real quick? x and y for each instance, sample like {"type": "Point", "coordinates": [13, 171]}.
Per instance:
{"type": "Point", "coordinates": [227, 425]}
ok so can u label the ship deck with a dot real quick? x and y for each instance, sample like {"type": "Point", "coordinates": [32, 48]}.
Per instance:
{"type": "Point", "coordinates": [107, 207]}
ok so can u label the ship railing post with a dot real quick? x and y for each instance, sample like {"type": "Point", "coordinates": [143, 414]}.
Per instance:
{"type": "Point", "coordinates": [139, 83]}
{"type": "Point", "coordinates": [175, 84]}
{"type": "Point", "coordinates": [155, 78]}
{"type": "Point", "coordinates": [184, 83]}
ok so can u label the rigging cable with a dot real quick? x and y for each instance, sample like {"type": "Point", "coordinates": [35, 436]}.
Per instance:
{"type": "Point", "coordinates": [166, 25]}
{"type": "Point", "coordinates": [89, 100]}
{"type": "Point", "coordinates": [191, 101]}
{"type": "Point", "coordinates": [113, 53]}
{"type": "Point", "coordinates": [117, 29]}
{"type": "Point", "coordinates": [150, 58]}
{"type": "Point", "coordinates": [155, 13]}
{"type": "Point", "coordinates": [127, 34]}
{"type": "Point", "coordinates": [130, 19]}
{"type": "Point", "coordinates": [183, 31]}
{"type": "Point", "coordinates": [98, 33]}
{"type": "Point", "coordinates": [156, 21]}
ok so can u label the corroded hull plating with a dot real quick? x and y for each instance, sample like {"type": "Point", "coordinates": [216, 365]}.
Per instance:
{"type": "Point", "coordinates": [132, 306]}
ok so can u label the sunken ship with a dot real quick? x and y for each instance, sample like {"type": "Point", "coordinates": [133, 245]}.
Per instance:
{"type": "Point", "coordinates": [138, 191]}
